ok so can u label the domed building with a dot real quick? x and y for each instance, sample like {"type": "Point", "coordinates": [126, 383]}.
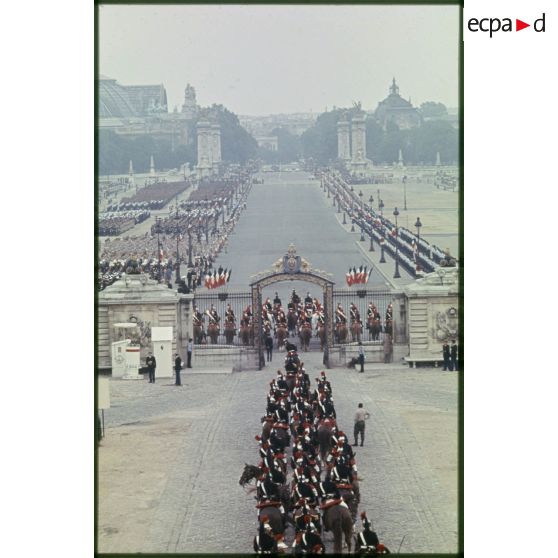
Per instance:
{"type": "Point", "coordinates": [397, 110]}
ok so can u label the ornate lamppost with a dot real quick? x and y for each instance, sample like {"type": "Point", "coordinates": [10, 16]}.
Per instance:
{"type": "Point", "coordinates": [382, 243]}
{"type": "Point", "coordinates": [405, 193]}
{"type": "Point", "coordinates": [396, 275]}
{"type": "Point", "coordinates": [381, 207]}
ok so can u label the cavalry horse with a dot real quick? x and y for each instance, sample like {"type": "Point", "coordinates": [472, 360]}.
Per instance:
{"type": "Point", "coordinates": [337, 519]}
{"type": "Point", "coordinates": [305, 334]}
{"type": "Point", "coordinates": [374, 327]}
{"type": "Point", "coordinates": [198, 334]}
{"type": "Point", "coordinates": [213, 332]}
{"type": "Point", "coordinates": [356, 330]}
{"type": "Point", "coordinates": [281, 334]}
{"type": "Point", "coordinates": [230, 332]}
{"type": "Point", "coordinates": [247, 334]}
{"type": "Point", "coordinates": [341, 332]}
{"type": "Point", "coordinates": [292, 319]}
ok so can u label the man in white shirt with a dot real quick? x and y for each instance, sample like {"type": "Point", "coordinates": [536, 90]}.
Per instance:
{"type": "Point", "coordinates": [360, 417]}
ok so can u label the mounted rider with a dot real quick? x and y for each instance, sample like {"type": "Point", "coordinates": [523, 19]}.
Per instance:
{"type": "Point", "coordinates": [367, 541]}
{"type": "Point", "coordinates": [265, 542]}
{"type": "Point", "coordinates": [354, 313]}
{"type": "Point", "coordinates": [340, 317]}
{"type": "Point", "coordinates": [229, 315]}
{"type": "Point", "coordinates": [295, 299]}
{"type": "Point", "coordinates": [213, 316]}
{"type": "Point", "coordinates": [277, 300]}
{"type": "Point", "coordinates": [197, 317]}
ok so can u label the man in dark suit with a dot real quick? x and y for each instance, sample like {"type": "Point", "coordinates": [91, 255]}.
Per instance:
{"type": "Point", "coordinates": [269, 347]}
{"type": "Point", "coordinates": [453, 355]}
{"type": "Point", "coordinates": [177, 368]}
{"type": "Point", "coordinates": [151, 364]}
{"type": "Point", "coordinates": [446, 355]}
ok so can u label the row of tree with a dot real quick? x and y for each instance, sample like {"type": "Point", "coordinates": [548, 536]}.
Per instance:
{"type": "Point", "coordinates": [319, 143]}
{"type": "Point", "coordinates": [115, 151]}
{"type": "Point", "coordinates": [418, 145]}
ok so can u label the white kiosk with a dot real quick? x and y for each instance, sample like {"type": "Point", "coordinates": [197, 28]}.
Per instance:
{"type": "Point", "coordinates": [162, 351]}
{"type": "Point", "coordinates": [131, 364]}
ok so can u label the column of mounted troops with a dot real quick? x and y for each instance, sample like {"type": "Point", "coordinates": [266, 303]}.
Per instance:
{"type": "Point", "coordinates": [306, 483]}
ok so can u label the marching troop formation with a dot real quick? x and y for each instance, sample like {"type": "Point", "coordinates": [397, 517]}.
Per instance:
{"type": "Point", "coordinates": [200, 224]}
{"type": "Point", "coordinates": [306, 483]}
{"type": "Point", "coordinates": [301, 318]}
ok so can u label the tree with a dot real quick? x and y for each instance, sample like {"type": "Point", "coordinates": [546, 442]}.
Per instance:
{"type": "Point", "coordinates": [432, 109]}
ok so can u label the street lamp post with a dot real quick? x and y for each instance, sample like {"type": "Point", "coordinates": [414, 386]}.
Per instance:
{"type": "Point", "coordinates": [190, 264]}
{"type": "Point", "coordinates": [396, 275]}
{"type": "Point", "coordinates": [381, 206]}
{"type": "Point", "coordinates": [361, 234]}
{"type": "Point", "coordinates": [352, 225]}
{"type": "Point", "coordinates": [405, 194]}
{"type": "Point", "coordinates": [177, 253]}
{"type": "Point", "coordinates": [158, 225]}
{"type": "Point", "coordinates": [344, 218]}
{"type": "Point", "coordinates": [382, 257]}
{"type": "Point", "coordinates": [418, 225]}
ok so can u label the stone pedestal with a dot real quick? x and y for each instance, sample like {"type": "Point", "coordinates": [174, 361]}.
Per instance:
{"type": "Point", "coordinates": [433, 314]}
{"type": "Point", "coordinates": [343, 142]}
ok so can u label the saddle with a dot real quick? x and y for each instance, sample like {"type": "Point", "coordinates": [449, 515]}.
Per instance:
{"type": "Point", "coordinates": [267, 504]}
{"type": "Point", "coordinates": [280, 425]}
{"type": "Point", "coordinates": [331, 503]}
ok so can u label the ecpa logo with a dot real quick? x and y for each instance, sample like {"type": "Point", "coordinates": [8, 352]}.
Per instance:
{"type": "Point", "coordinates": [494, 24]}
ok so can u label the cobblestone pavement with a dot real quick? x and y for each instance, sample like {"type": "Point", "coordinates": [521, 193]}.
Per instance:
{"type": "Point", "coordinates": [170, 461]}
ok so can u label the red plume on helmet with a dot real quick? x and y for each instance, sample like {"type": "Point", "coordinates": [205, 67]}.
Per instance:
{"type": "Point", "coordinates": [363, 515]}
{"type": "Point", "coordinates": [258, 437]}
{"type": "Point", "coordinates": [264, 518]}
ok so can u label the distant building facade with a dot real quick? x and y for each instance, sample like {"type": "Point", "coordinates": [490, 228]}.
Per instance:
{"type": "Point", "coordinates": [397, 110]}
{"type": "Point", "coordinates": [142, 110]}
{"type": "Point", "coordinates": [263, 126]}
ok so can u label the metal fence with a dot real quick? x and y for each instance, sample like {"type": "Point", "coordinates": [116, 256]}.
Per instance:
{"type": "Point", "coordinates": [381, 298]}
{"type": "Point", "coordinates": [238, 300]}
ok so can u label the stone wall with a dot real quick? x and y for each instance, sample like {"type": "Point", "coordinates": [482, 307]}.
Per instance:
{"type": "Point", "coordinates": [433, 314]}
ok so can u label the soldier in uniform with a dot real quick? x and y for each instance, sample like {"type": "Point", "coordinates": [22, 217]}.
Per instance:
{"type": "Point", "coordinates": [308, 299]}
{"type": "Point", "coordinates": [367, 541]}
{"type": "Point", "coordinates": [265, 541]}
{"type": "Point", "coordinates": [229, 315]}
{"type": "Point", "coordinates": [277, 300]}
{"type": "Point", "coordinates": [354, 313]}
{"type": "Point", "coordinates": [295, 299]}
{"type": "Point", "coordinates": [340, 317]}
{"type": "Point", "coordinates": [389, 320]}
{"type": "Point", "coordinates": [213, 316]}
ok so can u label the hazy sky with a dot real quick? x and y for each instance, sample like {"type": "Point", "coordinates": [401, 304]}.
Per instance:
{"type": "Point", "coordinates": [276, 58]}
